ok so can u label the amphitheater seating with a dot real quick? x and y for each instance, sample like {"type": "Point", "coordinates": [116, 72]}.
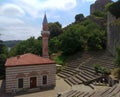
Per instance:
{"type": "Point", "coordinates": [68, 72]}
{"type": "Point", "coordinates": [76, 93]}
{"type": "Point", "coordinates": [108, 92]}
{"type": "Point", "coordinates": [81, 70]}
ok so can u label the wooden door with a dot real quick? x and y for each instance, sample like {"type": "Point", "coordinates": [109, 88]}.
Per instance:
{"type": "Point", "coordinates": [32, 82]}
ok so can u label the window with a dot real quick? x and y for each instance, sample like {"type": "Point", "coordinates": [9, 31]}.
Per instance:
{"type": "Point", "coordinates": [44, 79]}
{"type": "Point", "coordinates": [20, 83]}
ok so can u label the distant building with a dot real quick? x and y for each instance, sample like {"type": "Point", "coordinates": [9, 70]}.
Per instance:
{"type": "Point", "coordinates": [31, 71]}
{"type": "Point", "coordinates": [99, 5]}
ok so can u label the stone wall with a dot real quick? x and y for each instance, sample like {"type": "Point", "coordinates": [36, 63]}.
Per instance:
{"type": "Point", "coordinates": [25, 72]}
{"type": "Point", "coordinates": [113, 33]}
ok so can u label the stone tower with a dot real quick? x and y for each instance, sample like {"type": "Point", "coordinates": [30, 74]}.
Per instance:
{"type": "Point", "coordinates": [45, 36]}
{"type": "Point", "coordinates": [99, 5]}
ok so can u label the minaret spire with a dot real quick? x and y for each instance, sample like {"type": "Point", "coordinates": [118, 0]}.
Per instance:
{"type": "Point", "coordinates": [45, 23]}
{"type": "Point", "coordinates": [45, 36]}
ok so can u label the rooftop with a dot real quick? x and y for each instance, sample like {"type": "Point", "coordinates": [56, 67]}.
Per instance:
{"type": "Point", "coordinates": [26, 60]}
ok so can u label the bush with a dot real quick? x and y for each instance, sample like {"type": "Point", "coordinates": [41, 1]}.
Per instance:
{"type": "Point", "coordinates": [97, 67]}
{"type": "Point", "coordinates": [100, 69]}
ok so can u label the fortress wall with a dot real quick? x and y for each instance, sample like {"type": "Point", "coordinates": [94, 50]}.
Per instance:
{"type": "Point", "coordinates": [113, 34]}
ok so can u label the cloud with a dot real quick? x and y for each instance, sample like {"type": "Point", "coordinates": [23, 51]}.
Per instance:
{"type": "Point", "coordinates": [36, 7]}
{"type": "Point", "coordinates": [11, 10]}
{"type": "Point", "coordinates": [17, 29]}
{"type": "Point", "coordinates": [19, 32]}
{"type": "Point", "coordinates": [88, 1]}
{"type": "Point", "coordinates": [21, 19]}
{"type": "Point", "coordinates": [7, 21]}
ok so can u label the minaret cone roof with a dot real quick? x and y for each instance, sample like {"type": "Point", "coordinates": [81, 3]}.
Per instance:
{"type": "Point", "coordinates": [45, 20]}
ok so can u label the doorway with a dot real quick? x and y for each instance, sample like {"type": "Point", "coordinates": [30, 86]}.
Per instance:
{"type": "Point", "coordinates": [33, 82]}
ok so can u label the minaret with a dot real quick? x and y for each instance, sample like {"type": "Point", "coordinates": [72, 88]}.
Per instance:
{"type": "Point", "coordinates": [45, 36]}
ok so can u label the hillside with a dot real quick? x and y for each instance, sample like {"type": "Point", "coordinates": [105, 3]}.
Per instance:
{"type": "Point", "coordinates": [11, 43]}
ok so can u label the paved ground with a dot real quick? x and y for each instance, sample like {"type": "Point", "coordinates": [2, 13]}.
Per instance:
{"type": "Point", "coordinates": [61, 86]}
{"type": "Point", "coordinates": [82, 87]}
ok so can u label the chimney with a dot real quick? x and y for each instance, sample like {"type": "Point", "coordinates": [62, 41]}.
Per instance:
{"type": "Point", "coordinates": [18, 56]}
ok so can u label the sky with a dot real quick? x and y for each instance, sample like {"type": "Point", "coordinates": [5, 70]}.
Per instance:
{"type": "Point", "coordinates": [22, 19]}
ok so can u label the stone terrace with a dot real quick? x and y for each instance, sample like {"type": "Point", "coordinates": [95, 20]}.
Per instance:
{"type": "Point", "coordinates": [81, 70]}
{"type": "Point", "coordinates": [108, 92]}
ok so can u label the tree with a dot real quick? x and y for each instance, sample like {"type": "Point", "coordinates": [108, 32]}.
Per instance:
{"type": "Point", "coordinates": [55, 29]}
{"type": "Point", "coordinates": [96, 40]}
{"type": "Point", "coordinates": [54, 45]}
{"type": "Point", "coordinates": [3, 57]}
{"type": "Point", "coordinates": [30, 45]}
{"type": "Point", "coordinates": [79, 17]}
{"type": "Point", "coordinates": [71, 40]}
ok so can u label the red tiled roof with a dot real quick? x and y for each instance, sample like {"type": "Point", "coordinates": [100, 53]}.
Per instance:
{"type": "Point", "coordinates": [27, 59]}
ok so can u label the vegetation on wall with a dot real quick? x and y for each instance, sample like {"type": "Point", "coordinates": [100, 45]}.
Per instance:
{"type": "Point", "coordinates": [99, 14]}
{"type": "Point", "coordinates": [114, 8]}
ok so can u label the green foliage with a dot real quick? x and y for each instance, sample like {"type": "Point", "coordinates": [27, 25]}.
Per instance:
{"type": "Point", "coordinates": [60, 59]}
{"type": "Point", "coordinates": [105, 71]}
{"type": "Point", "coordinates": [71, 40]}
{"type": "Point", "coordinates": [98, 13]}
{"type": "Point", "coordinates": [31, 45]}
{"type": "Point", "coordinates": [115, 9]}
{"type": "Point", "coordinates": [97, 67]}
{"type": "Point", "coordinates": [54, 45]}
{"type": "Point", "coordinates": [100, 69]}
{"type": "Point", "coordinates": [3, 57]}
{"type": "Point", "coordinates": [55, 29]}
{"type": "Point", "coordinates": [79, 17]}
{"type": "Point", "coordinates": [85, 35]}
{"type": "Point", "coordinates": [108, 5]}
{"type": "Point", "coordinates": [96, 40]}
